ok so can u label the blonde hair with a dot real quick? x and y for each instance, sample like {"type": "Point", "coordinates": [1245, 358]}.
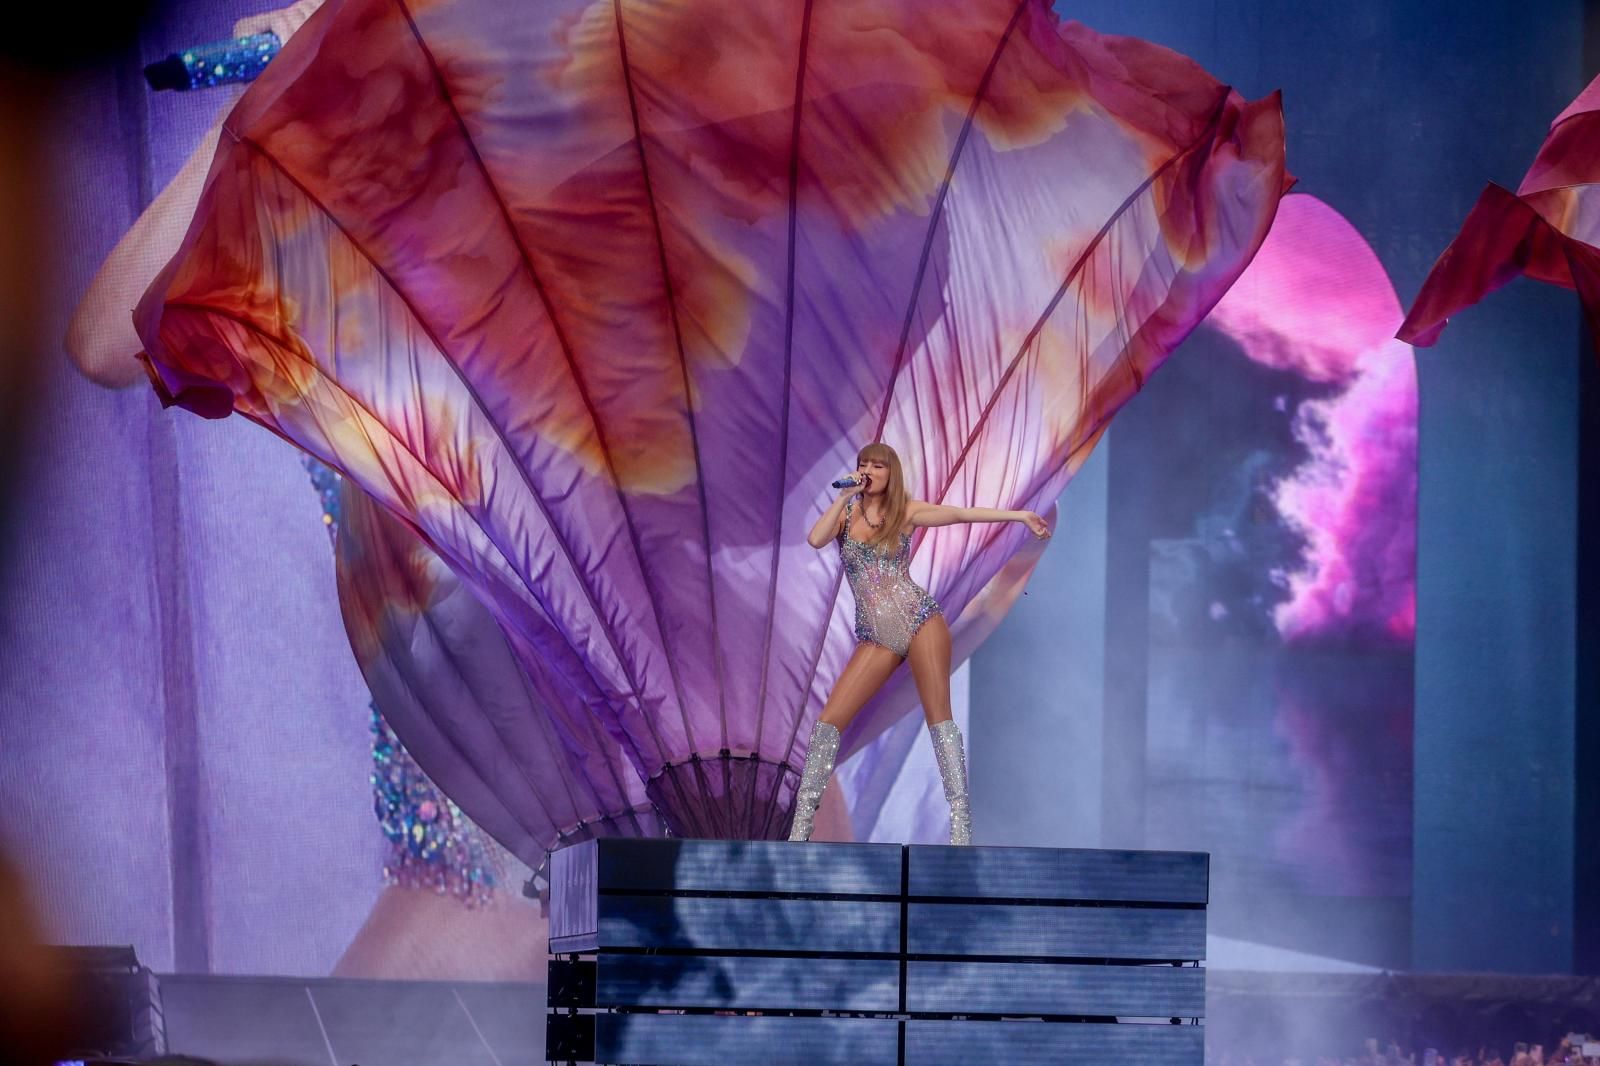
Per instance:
{"type": "Point", "coordinates": [894, 494]}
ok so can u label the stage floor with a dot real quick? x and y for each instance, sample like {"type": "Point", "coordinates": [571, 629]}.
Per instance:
{"type": "Point", "coordinates": [286, 1021]}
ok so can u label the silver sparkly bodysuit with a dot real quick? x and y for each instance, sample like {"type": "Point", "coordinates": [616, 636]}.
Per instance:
{"type": "Point", "coordinates": [890, 607]}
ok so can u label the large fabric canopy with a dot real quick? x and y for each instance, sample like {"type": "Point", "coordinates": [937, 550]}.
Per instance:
{"type": "Point", "coordinates": [1549, 229]}
{"type": "Point", "coordinates": [596, 296]}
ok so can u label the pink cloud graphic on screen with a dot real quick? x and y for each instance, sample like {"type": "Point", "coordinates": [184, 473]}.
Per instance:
{"type": "Point", "coordinates": [1317, 301]}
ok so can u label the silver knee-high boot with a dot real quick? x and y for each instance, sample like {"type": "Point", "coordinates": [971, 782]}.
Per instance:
{"type": "Point", "coordinates": [819, 767]}
{"type": "Point", "coordinates": [947, 748]}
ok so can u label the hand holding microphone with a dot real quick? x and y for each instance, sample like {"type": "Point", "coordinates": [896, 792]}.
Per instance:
{"type": "Point", "coordinates": [255, 42]}
{"type": "Point", "coordinates": [852, 484]}
{"type": "Point", "coordinates": [206, 66]}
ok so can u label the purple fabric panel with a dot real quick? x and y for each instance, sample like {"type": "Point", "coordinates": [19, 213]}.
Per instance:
{"type": "Point", "coordinates": [188, 820]}
{"type": "Point", "coordinates": [284, 741]}
{"type": "Point", "coordinates": [82, 738]}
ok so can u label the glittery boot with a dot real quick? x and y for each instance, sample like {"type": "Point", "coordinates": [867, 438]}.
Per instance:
{"type": "Point", "coordinates": [953, 769]}
{"type": "Point", "coordinates": [819, 767]}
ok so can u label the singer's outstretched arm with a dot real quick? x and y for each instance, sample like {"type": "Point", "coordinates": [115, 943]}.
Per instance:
{"type": "Point", "coordinates": [919, 513]}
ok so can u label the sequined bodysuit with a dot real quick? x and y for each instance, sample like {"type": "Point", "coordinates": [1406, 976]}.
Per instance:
{"type": "Point", "coordinates": [890, 607]}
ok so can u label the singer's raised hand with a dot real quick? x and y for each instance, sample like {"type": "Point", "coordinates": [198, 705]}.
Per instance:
{"type": "Point", "coordinates": [858, 488]}
{"type": "Point", "coordinates": [283, 22]}
{"type": "Point", "coordinates": [100, 338]}
{"type": "Point", "coordinates": [1035, 524]}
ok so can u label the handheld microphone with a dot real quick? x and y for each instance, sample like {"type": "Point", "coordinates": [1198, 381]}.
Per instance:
{"type": "Point", "coordinates": [847, 483]}
{"type": "Point", "coordinates": [206, 66]}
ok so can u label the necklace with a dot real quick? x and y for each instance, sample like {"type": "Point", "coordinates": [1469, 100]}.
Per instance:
{"type": "Point", "coordinates": [868, 519]}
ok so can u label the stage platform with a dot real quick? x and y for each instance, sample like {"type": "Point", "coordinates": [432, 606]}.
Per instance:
{"type": "Point", "coordinates": [710, 952]}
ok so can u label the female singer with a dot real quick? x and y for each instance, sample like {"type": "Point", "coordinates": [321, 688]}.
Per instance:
{"type": "Point", "coordinates": [896, 619]}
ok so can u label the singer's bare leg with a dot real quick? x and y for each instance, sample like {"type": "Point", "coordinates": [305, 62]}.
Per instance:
{"type": "Point", "coordinates": [860, 680]}
{"type": "Point", "coordinates": [930, 667]}
{"type": "Point", "coordinates": [929, 656]}
{"type": "Point", "coordinates": [869, 667]}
